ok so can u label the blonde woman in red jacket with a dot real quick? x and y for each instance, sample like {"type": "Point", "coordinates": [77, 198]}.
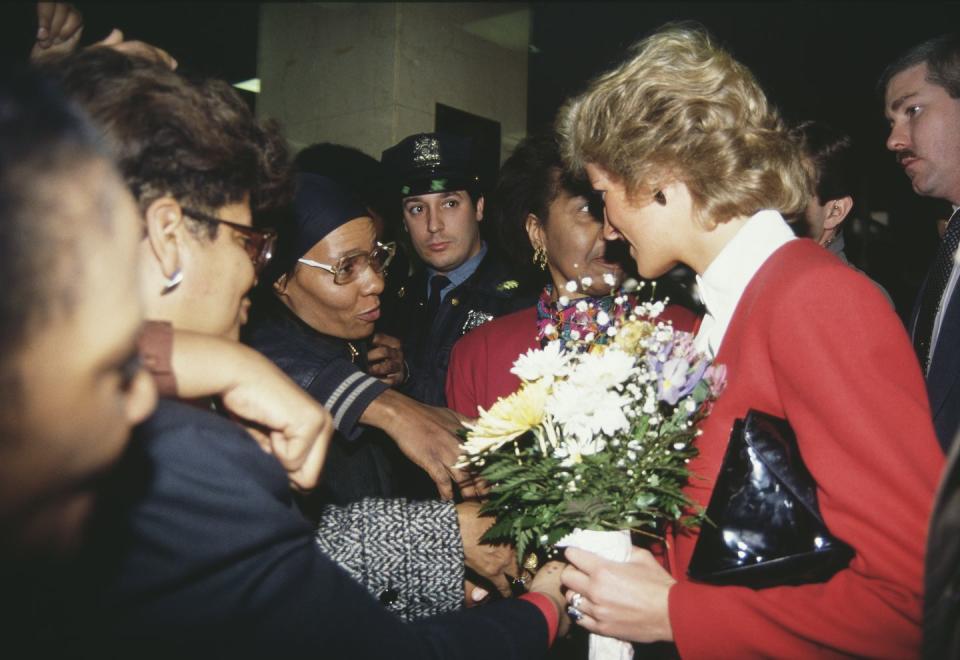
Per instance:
{"type": "Point", "coordinates": [696, 167]}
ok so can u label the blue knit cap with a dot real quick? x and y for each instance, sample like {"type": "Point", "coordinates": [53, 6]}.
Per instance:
{"type": "Point", "coordinates": [320, 206]}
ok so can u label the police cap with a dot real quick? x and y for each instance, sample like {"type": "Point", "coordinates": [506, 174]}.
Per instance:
{"type": "Point", "coordinates": [431, 163]}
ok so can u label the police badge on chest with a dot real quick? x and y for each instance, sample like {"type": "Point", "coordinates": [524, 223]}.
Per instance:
{"type": "Point", "coordinates": [475, 318]}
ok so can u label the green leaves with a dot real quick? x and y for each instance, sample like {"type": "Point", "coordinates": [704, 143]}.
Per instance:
{"type": "Point", "coordinates": [634, 485]}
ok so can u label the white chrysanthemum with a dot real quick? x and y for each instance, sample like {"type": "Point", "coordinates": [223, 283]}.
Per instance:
{"type": "Point", "coordinates": [573, 450]}
{"type": "Point", "coordinates": [535, 364]}
{"type": "Point", "coordinates": [571, 286]}
{"type": "Point", "coordinates": [602, 369]}
{"type": "Point", "coordinates": [563, 301]}
{"type": "Point", "coordinates": [586, 282]}
{"type": "Point", "coordinates": [603, 318]}
{"type": "Point", "coordinates": [609, 279]}
{"type": "Point", "coordinates": [585, 412]}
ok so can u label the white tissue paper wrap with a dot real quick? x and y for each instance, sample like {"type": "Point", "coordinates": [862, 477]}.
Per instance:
{"type": "Point", "coordinates": [615, 546]}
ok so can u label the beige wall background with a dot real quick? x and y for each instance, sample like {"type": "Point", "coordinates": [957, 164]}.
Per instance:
{"type": "Point", "coordinates": [369, 74]}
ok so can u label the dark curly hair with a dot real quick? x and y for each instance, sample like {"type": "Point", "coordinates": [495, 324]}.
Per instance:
{"type": "Point", "coordinates": [529, 181]}
{"type": "Point", "coordinates": [196, 141]}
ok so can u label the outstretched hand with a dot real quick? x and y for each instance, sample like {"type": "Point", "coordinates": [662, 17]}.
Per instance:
{"type": "Point", "coordinates": [493, 562]}
{"type": "Point", "coordinates": [626, 600]}
{"type": "Point", "coordinates": [427, 435]}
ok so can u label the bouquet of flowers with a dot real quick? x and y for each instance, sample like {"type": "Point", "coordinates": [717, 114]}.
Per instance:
{"type": "Point", "coordinates": [599, 434]}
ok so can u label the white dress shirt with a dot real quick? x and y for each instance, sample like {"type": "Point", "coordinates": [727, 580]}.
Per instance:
{"type": "Point", "coordinates": [727, 276]}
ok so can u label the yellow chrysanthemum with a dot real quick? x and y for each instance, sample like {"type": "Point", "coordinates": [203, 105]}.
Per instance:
{"type": "Point", "coordinates": [508, 418]}
{"type": "Point", "coordinates": [630, 333]}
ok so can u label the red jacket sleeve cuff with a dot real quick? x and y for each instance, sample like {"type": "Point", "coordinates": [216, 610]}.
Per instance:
{"type": "Point", "coordinates": [549, 610]}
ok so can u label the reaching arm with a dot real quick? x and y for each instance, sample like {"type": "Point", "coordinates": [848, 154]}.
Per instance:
{"type": "Point", "coordinates": [215, 545]}
{"type": "Point", "coordinates": [426, 435]}
{"type": "Point", "coordinates": [284, 419]}
{"type": "Point", "coordinates": [60, 26]}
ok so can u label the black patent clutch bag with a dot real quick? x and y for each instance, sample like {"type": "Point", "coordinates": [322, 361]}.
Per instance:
{"type": "Point", "coordinates": [764, 526]}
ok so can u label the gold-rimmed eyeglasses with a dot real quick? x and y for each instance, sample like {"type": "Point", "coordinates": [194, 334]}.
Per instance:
{"type": "Point", "coordinates": [349, 267]}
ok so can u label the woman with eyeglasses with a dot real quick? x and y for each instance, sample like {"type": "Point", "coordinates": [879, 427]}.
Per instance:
{"type": "Point", "coordinates": [197, 548]}
{"type": "Point", "coordinates": [201, 542]}
{"type": "Point", "coordinates": [315, 308]}
{"type": "Point", "coordinates": [322, 303]}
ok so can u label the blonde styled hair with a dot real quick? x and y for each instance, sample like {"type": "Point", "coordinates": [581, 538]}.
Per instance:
{"type": "Point", "coordinates": [681, 108]}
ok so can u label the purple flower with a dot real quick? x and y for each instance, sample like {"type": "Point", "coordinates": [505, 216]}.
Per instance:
{"type": "Point", "coordinates": [672, 380]}
{"type": "Point", "coordinates": [696, 375]}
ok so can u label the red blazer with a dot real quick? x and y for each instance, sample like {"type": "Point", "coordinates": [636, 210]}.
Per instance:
{"type": "Point", "coordinates": [815, 342]}
{"type": "Point", "coordinates": [479, 371]}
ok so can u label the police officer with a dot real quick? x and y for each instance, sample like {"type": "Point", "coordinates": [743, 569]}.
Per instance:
{"type": "Point", "coordinates": [462, 284]}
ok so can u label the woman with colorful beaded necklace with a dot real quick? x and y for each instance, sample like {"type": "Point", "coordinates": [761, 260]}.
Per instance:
{"type": "Point", "coordinates": [545, 218]}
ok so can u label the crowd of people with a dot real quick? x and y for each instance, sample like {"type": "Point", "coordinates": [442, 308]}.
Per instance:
{"type": "Point", "coordinates": [235, 382]}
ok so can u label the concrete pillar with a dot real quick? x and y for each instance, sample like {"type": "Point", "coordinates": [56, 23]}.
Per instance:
{"type": "Point", "coordinates": [369, 74]}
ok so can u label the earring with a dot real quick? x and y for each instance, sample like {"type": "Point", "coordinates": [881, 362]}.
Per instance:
{"type": "Point", "coordinates": [172, 282]}
{"type": "Point", "coordinates": [540, 257]}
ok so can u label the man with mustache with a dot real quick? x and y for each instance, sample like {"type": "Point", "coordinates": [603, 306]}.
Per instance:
{"type": "Point", "coordinates": [463, 284]}
{"type": "Point", "coordinates": [922, 104]}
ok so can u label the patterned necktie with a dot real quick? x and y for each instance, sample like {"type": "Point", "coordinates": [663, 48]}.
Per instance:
{"type": "Point", "coordinates": [437, 284]}
{"type": "Point", "coordinates": [933, 293]}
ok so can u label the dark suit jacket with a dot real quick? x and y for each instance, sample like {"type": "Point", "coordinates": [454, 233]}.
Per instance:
{"type": "Point", "coordinates": [212, 557]}
{"type": "Point", "coordinates": [941, 607]}
{"type": "Point", "coordinates": [943, 377]}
